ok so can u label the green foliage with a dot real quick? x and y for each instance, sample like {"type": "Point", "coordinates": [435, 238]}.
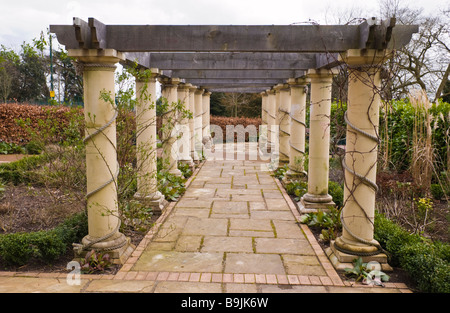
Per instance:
{"type": "Point", "coordinates": [297, 189]}
{"type": "Point", "coordinates": [439, 192]}
{"type": "Point", "coordinates": [328, 222]}
{"type": "Point", "coordinates": [19, 248]}
{"type": "Point", "coordinates": [366, 273]}
{"type": "Point", "coordinates": [185, 169]}
{"type": "Point", "coordinates": [171, 186]}
{"type": "Point", "coordinates": [336, 191]}
{"type": "Point", "coordinates": [2, 188]}
{"type": "Point", "coordinates": [11, 148]}
{"type": "Point", "coordinates": [281, 171]}
{"type": "Point", "coordinates": [95, 262]}
{"type": "Point", "coordinates": [21, 171]}
{"type": "Point", "coordinates": [427, 262]}
{"type": "Point", "coordinates": [401, 129]}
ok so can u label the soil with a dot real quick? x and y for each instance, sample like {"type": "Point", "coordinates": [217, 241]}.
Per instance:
{"type": "Point", "coordinates": [28, 209]}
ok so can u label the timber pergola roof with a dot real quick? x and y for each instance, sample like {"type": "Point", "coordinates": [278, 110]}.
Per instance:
{"type": "Point", "coordinates": [234, 58]}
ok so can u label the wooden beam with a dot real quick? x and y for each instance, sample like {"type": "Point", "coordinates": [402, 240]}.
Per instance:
{"type": "Point", "coordinates": [235, 74]}
{"type": "Point", "coordinates": [239, 81]}
{"type": "Point", "coordinates": [231, 60]}
{"type": "Point", "coordinates": [232, 38]}
{"type": "Point", "coordinates": [238, 89]}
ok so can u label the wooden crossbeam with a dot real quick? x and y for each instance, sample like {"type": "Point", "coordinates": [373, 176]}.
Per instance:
{"type": "Point", "coordinates": [235, 74]}
{"type": "Point", "coordinates": [232, 38]}
{"type": "Point", "coordinates": [228, 60]}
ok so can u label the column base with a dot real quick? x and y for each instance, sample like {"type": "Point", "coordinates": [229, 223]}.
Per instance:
{"type": "Point", "coordinates": [118, 247]}
{"type": "Point", "coordinates": [313, 203]}
{"type": "Point", "coordinates": [342, 260]}
{"type": "Point", "coordinates": [156, 202]}
{"type": "Point", "coordinates": [189, 162]}
{"type": "Point", "coordinates": [176, 172]}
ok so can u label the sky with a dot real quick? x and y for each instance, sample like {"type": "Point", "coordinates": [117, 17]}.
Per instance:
{"type": "Point", "coordinates": [23, 20]}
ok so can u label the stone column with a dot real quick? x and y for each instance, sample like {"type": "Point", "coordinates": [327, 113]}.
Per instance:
{"type": "Point", "coordinates": [284, 120]}
{"type": "Point", "coordinates": [298, 129]}
{"type": "Point", "coordinates": [146, 140]}
{"type": "Point", "coordinates": [192, 120]}
{"type": "Point", "coordinates": [198, 134]}
{"type": "Point", "coordinates": [317, 196]}
{"type": "Point", "coordinates": [264, 98]}
{"type": "Point", "coordinates": [102, 167]}
{"type": "Point", "coordinates": [263, 129]}
{"type": "Point", "coordinates": [270, 116]}
{"type": "Point", "coordinates": [360, 161]}
{"type": "Point", "coordinates": [206, 140]}
{"type": "Point", "coordinates": [184, 142]}
{"type": "Point", "coordinates": [169, 121]}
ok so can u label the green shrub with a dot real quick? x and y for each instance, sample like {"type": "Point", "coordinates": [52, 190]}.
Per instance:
{"type": "Point", "coordinates": [423, 263]}
{"type": "Point", "coordinates": [438, 192]}
{"type": "Point", "coordinates": [19, 248]}
{"type": "Point", "coordinates": [16, 248]}
{"type": "Point", "coordinates": [428, 263]}
{"type": "Point", "coordinates": [297, 189]}
{"type": "Point", "coordinates": [335, 190]}
{"type": "Point", "coordinates": [21, 171]}
{"type": "Point", "coordinates": [11, 148]}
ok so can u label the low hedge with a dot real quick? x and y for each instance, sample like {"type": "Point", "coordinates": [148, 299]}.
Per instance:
{"type": "Point", "coordinates": [19, 248]}
{"type": "Point", "coordinates": [20, 171]}
{"type": "Point", "coordinates": [427, 262]}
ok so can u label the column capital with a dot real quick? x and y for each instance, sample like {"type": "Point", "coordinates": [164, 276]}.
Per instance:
{"type": "Point", "coordinates": [199, 91]}
{"type": "Point", "coordinates": [281, 87]}
{"type": "Point", "coordinates": [366, 58]}
{"type": "Point", "coordinates": [171, 82]}
{"type": "Point", "coordinates": [300, 82]}
{"type": "Point", "coordinates": [207, 93]}
{"type": "Point", "coordinates": [183, 86]}
{"type": "Point", "coordinates": [145, 75]}
{"type": "Point", "coordinates": [105, 56]}
{"type": "Point", "coordinates": [314, 74]}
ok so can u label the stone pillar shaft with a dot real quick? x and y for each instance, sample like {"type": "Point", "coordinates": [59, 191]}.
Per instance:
{"type": "Point", "coordinates": [184, 142]}
{"type": "Point", "coordinates": [146, 142]}
{"type": "Point", "coordinates": [198, 132]}
{"type": "Point", "coordinates": [271, 118]}
{"type": "Point", "coordinates": [284, 122]}
{"type": "Point", "coordinates": [169, 121]}
{"type": "Point", "coordinates": [319, 141]}
{"type": "Point", "coordinates": [101, 155]}
{"type": "Point", "coordinates": [192, 121]}
{"type": "Point", "coordinates": [360, 161]}
{"type": "Point", "coordinates": [206, 116]}
{"type": "Point", "coordinates": [298, 129]}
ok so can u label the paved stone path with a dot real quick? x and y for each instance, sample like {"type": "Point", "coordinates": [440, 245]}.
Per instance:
{"type": "Point", "coordinates": [234, 230]}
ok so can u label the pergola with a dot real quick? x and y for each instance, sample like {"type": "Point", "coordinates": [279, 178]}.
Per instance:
{"type": "Point", "coordinates": [191, 61]}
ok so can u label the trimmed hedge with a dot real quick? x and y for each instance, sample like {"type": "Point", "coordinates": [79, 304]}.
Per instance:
{"type": "Point", "coordinates": [19, 248]}
{"type": "Point", "coordinates": [47, 119]}
{"type": "Point", "coordinates": [20, 171]}
{"type": "Point", "coordinates": [428, 263]}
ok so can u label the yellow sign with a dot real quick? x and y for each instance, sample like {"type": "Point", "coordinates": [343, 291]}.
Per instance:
{"type": "Point", "coordinates": [52, 94]}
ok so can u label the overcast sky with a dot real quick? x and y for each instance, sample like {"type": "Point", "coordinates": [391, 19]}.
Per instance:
{"type": "Point", "coordinates": [23, 20]}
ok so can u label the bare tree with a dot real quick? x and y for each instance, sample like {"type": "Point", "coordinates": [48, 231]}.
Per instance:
{"type": "Point", "coordinates": [425, 61]}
